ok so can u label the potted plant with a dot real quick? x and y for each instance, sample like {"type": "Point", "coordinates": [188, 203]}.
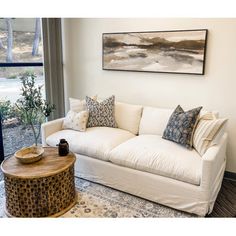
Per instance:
{"type": "Point", "coordinates": [33, 110]}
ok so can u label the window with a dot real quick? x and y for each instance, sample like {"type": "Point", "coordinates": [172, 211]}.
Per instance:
{"type": "Point", "coordinates": [20, 41]}
{"type": "Point", "coordinates": [21, 50]}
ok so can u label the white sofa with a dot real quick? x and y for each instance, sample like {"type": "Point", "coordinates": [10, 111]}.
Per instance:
{"type": "Point", "coordinates": [135, 159]}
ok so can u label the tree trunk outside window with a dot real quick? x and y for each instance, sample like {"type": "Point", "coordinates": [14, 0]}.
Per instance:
{"type": "Point", "coordinates": [36, 37]}
{"type": "Point", "coordinates": [9, 39]}
{"type": "Point", "coordinates": [1, 45]}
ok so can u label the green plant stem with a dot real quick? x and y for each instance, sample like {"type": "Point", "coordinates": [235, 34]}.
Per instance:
{"type": "Point", "coordinates": [34, 132]}
{"type": "Point", "coordinates": [39, 129]}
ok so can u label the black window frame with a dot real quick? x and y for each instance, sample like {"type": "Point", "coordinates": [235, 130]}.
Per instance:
{"type": "Point", "coordinates": [1, 142]}
{"type": "Point", "coordinates": [21, 64]}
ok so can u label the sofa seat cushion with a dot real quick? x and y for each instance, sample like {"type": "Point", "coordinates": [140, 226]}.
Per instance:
{"type": "Point", "coordinates": [95, 142]}
{"type": "Point", "coordinates": [155, 155]}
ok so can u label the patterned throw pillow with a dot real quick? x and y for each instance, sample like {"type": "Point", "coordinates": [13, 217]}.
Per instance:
{"type": "Point", "coordinates": [76, 120]}
{"type": "Point", "coordinates": [101, 113]}
{"type": "Point", "coordinates": [181, 126]}
{"type": "Point", "coordinates": [206, 130]}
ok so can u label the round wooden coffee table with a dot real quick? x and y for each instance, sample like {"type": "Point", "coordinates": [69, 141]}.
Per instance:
{"type": "Point", "coordinates": [42, 189]}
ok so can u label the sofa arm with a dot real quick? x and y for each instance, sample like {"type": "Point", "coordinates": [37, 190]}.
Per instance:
{"type": "Point", "coordinates": [49, 128]}
{"type": "Point", "coordinates": [212, 163]}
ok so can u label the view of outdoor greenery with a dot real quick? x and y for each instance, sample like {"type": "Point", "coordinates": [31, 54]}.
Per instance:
{"type": "Point", "coordinates": [20, 42]}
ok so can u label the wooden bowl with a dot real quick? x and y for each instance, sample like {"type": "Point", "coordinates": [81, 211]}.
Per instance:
{"type": "Point", "coordinates": [29, 154]}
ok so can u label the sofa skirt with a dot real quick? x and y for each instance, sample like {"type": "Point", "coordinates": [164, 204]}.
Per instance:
{"type": "Point", "coordinates": [166, 191]}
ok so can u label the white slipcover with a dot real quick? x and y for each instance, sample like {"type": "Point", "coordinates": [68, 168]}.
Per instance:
{"type": "Point", "coordinates": [102, 143]}
{"type": "Point", "coordinates": [167, 191]}
{"type": "Point", "coordinates": [154, 120]}
{"type": "Point", "coordinates": [155, 155]}
{"type": "Point", "coordinates": [128, 116]}
{"type": "Point", "coordinates": [96, 142]}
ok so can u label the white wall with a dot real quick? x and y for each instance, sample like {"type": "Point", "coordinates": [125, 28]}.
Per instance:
{"type": "Point", "coordinates": [216, 90]}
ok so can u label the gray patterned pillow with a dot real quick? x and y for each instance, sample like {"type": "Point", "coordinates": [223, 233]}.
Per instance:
{"type": "Point", "coordinates": [101, 113]}
{"type": "Point", "coordinates": [181, 126]}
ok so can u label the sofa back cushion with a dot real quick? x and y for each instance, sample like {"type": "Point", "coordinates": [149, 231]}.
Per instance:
{"type": "Point", "coordinates": [154, 120]}
{"type": "Point", "coordinates": [128, 116]}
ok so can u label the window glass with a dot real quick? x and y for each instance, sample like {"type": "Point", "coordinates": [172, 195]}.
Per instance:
{"type": "Point", "coordinates": [20, 40]}
{"type": "Point", "coordinates": [10, 84]}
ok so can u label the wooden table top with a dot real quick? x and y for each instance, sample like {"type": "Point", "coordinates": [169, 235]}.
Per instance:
{"type": "Point", "coordinates": [50, 164]}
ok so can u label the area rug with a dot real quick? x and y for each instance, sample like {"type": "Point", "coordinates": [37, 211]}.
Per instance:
{"type": "Point", "coordinates": [95, 200]}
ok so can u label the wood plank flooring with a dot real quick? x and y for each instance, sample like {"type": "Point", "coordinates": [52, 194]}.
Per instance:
{"type": "Point", "coordinates": [225, 205]}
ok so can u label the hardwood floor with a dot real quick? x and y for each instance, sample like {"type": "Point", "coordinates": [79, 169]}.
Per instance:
{"type": "Point", "coordinates": [225, 205]}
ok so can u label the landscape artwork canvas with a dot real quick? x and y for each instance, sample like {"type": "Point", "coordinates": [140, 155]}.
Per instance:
{"type": "Point", "coordinates": [181, 51]}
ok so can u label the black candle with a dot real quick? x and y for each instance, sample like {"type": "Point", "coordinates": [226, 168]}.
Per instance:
{"type": "Point", "coordinates": [63, 147]}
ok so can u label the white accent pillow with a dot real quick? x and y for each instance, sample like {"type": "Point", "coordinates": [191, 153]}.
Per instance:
{"type": "Point", "coordinates": [78, 105]}
{"type": "Point", "coordinates": [208, 127]}
{"type": "Point", "coordinates": [76, 120]}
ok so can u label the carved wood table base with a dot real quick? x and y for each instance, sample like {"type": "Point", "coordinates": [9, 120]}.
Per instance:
{"type": "Point", "coordinates": [42, 189]}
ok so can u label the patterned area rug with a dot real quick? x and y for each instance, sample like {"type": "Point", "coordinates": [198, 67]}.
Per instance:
{"type": "Point", "coordinates": [95, 200]}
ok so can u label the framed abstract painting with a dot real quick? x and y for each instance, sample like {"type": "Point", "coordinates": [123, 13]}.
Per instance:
{"type": "Point", "coordinates": [177, 51]}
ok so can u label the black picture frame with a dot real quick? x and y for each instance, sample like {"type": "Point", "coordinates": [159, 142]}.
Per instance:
{"type": "Point", "coordinates": [172, 51]}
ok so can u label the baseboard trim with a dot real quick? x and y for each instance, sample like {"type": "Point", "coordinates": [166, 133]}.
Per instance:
{"type": "Point", "coordinates": [230, 175]}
